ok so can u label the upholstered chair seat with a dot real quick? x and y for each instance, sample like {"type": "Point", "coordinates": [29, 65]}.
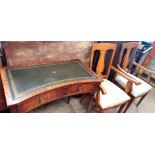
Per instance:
{"type": "Point", "coordinates": [113, 97]}
{"type": "Point", "coordinates": [137, 90]}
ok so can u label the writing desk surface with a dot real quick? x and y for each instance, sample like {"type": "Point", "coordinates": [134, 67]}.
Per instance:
{"type": "Point", "coordinates": [25, 80]}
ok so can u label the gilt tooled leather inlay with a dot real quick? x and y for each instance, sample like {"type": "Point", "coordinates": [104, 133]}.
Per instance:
{"type": "Point", "coordinates": [25, 80]}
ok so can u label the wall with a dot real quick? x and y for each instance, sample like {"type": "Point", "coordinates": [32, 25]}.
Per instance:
{"type": "Point", "coordinates": [33, 53]}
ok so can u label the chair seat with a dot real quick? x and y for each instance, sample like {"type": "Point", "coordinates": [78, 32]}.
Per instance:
{"type": "Point", "coordinates": [137, 90]}
{"type": "Point", "coordinates": [114, 96]}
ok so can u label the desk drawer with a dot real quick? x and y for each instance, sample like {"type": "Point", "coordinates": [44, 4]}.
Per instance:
{"type": "Point", "coordinates": [71, 90]}
{"type": "Point", "coordinates": [32, 103]}
{"type": "Point", "coordinates": [55, 94]}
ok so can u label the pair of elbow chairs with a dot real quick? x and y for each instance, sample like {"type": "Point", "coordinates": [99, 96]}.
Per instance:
{"type": "Point", "coordinates": [125, 87]}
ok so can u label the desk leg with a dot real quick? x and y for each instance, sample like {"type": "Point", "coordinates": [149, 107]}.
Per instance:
{"type": "Point", "coordinates": [90, 104]}
{"type": "Point", "coordinates": [14, 109]}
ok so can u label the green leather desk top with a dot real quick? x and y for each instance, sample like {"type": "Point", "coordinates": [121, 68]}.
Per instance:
{"type": "Point", "coordinates": [25, 80]}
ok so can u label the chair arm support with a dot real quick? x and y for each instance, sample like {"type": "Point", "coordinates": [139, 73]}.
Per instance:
{"type": "Point", "coordinates": [103, 90]}
{"type": "Point", "coordinates": [125, 75]}
{"type": "Point", "coordinates": [143, 68]}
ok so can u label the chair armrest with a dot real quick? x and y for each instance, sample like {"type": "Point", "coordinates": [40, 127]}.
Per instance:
{"type": "Point", "coordinates": [143, 68]}
{"type": "Point", "coordinates": [122, 70]}
{"type": "Point", "coordinates": [125, 75]}
{"type": "Point", "coordinates": [103, 90]}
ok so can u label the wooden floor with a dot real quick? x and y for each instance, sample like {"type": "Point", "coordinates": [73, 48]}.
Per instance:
{"type": "Point", "coordinates": [61, 106]}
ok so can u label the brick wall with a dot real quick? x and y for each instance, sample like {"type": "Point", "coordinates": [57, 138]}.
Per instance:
{"type": "Point", "coordinates": [33, 53]}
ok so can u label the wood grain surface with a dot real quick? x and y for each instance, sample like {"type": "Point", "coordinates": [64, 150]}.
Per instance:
{"type": "Point", "coordinates": [49, 93]}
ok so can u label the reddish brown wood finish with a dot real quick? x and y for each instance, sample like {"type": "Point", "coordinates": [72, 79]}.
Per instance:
{"type": "Point", "coordinates": [0, 62]}
{"type": "Point", "coordinates": [54, 94]}
{"type": "Point", "coordinates": [3, 105]}
{"type": "Point", "coordinates": [50, 93]}
{"type": "Point", "coordinates": [104, 48]}
{"type": "Point", "coordinates": [126, 67]}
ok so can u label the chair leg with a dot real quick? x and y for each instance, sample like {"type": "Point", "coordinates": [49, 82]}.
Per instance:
{"type": "Point", "coordinates": [97, 108]}
{"type": "Point", "coordinates": [68, 99]}
{"type": "Point", "coordinates": [129, 104]}
{"type": "Point", "coordinates": [141, 100]}
{"type": "Point", "coordinates": [121, 108]}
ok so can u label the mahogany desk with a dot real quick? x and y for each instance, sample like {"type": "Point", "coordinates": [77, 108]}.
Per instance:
{"type": "Point", "coordinates": [26, 88]}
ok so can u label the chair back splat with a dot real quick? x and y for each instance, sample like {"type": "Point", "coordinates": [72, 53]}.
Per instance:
{"type": "Point", "coordinates": [102, 55]}
{"type": "Point", "coordinates": [127, 55]}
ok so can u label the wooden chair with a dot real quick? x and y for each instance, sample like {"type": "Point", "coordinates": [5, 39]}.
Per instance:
{"type": "Point", "coordinates": [146, 69]}
{"type": "Point", "coordinates": [138, 87]}
{"type": "Point", "coordinates": [109, 96]}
